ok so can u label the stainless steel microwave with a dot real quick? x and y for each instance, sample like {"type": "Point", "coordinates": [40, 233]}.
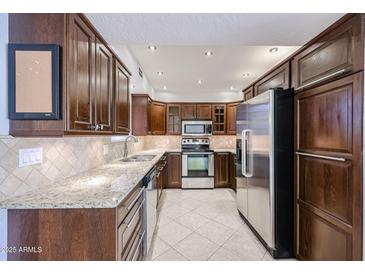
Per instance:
{"type": "Point", "coordinates": [196, 128]}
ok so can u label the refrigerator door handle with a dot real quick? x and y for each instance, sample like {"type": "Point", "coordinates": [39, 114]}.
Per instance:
{"type": "Point", "coordinates": [246, 163]}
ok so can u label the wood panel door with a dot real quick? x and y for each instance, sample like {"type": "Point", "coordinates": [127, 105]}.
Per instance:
{"type": "Point", "coordinates": [80, 74]}
{"type": "Point", "coordinates": [219, 118]}
{"type": "Point", "coordinates": [174, 170]}
{"type": "Point", "coordinates": [173, 118]}
{"type": "Point", "coordinates": [103, 88]}
{"type": "Point", "coordinates": [140, 107]}
{"type": "Point", "coordinates": [121, 99]}
{"type": "Point", "coordinates": [232, 171]}
{"type": "Point", "coordinates": [248, 93]}
{"type": "Point", "coordinates": [188, 111]}
{"type": "Point", "coordinates": [158, 118]}
{"type": "Point", "coordinates": [337, 53]}
{"type": "Point", "coordinates": [279, 78]}
{"type": "Point", "coordinates": [221, 169]}
{"type": "Point", "coordinates": [328, 170]}
{"type": "Point", "coordinates": [231, 118]}
{"type": "Point", "coordinates": [204, 111]}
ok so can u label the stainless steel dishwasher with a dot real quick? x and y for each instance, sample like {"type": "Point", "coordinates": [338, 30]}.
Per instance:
{"type": "Point", "coordinates": [150, 184]}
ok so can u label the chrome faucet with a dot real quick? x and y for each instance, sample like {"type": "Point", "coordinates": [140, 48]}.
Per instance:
{"type": "Point", "coordinates": [125, 153]}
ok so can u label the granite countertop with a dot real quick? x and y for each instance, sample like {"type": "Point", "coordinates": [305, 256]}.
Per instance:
{"type": "Point", "coordinates": [103, 187]}
{"type": "Point", "coordinates": [230, 150]}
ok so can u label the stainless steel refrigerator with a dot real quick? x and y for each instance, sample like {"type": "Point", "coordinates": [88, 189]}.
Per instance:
{"type": "Point", "coordinates": [265, 180]}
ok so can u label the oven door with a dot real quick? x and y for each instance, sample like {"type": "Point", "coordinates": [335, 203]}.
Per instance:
{"type": "Point", "coordinates": [197, 164]}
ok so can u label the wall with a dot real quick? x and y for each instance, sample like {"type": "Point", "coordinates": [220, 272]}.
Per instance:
{"type": "Point", "coordinates": [62, 158]}
{"type": "Point", "coordinates": [4, 122]}
{"type": "Point", "coordinates": [223, 96]}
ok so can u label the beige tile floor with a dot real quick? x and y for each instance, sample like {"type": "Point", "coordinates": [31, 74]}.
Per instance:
{"type": "Point", "coordinates": [203, 225]}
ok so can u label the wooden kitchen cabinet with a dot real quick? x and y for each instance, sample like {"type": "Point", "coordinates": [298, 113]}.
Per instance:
{"type": "Point", "coordinates": [203, 111]}
{"type": "Point", "coordinates": [162, 175]}
{"type": "Point", "coordinates": [221, 169]}
{"type": "Point", "coordinates": [140, 114]}
{"type": "Point", "coordinates": [248, 93]}
{"type": "Point", "coordinates": [103, 87]}
{"type": "Point", "coordinates": [279, 78]}
{"type": "Point", "coordinates": [219, 118]}
{"type": "Point", "coordinates": [174, 170]}
{"type": "Point", "coordinates": [173, 118]}
{"type": "Point", "coordinates": [158, 118]}
{"type": "Point", "coordinates": [121, 100]}
{"type": "Point", "coordinates": [231, 117]}
{"type": "Point", "coordinates": [232, 171]}
{"type": "Point", "coordinates": [337, 53]}
{"type": "Point", "coordinates": [329, 170]}
{"type": "Point", "coordinates": [188, 111]}
{"type": "Point", "coordinates": [81, 72]}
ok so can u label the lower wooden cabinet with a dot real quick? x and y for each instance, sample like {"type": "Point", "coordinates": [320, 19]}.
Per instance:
{"type": "Point", "coordinates": [174, 170]}
{"type": "Point", "coordinates": [221, 169]}
{"type": "Point", "coordinates": [232, 171]}
{"type": "Point", "coordinates": [329, 170]}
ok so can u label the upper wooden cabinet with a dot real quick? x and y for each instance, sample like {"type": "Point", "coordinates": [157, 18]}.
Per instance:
{"type": "Point", "coordinates": [158, 118]}
{"type": "Point", "coordinates": [121, 99]}
{"type": "Point", "coordinates": [203, 111]}
{"type": "Point", "coordinates": [248, 93]}
{"type": "Point", "coordinates": [103, 87]}
{"type": "Point", "coordinates": [188, 111]}
{"type": "Point", "coordinates": [338, 52]}
{"type": "Point", "coordinates": [279, 78]}
{"type": "Point", "coordinates": [140, 114]}
{"type": "Point", "coordinates": [231, 118]}
{"type": "Point", "coordinates": [81, 75]}
{"type": "Point", "coordinates": [219, 118]}
{"type": "Point", "coordinates": [173, 118]}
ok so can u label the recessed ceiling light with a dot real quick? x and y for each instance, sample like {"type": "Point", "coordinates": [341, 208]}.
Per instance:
{"type": "Point", "coordinates": [245, 75]}
{"type": "Point", "coordinates": [199, 82]}
{"type": "Point", "coordinates": [160, 73]}
{"type": "Point", "coordinates": [164, 87]}
{"type": "Point", "coordinates": [231, 88]}
{"type": "Point", "coordinates": [152, 48]}
{"type": "Point", "coordinates": [208, 53]}
{"type": "Point", "coordinates": [273, 50]}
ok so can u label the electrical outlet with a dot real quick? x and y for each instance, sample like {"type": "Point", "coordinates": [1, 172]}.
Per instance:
{"type": "Point", "coordinates": [30, 156]}
{"type": "Point", "coordinates": [106, 149]}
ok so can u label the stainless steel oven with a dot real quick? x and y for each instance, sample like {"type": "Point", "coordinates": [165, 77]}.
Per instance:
{"type": "Point", "coordinates": [196, 128]}
{"type": "Point", "coordinates": [197, 169]}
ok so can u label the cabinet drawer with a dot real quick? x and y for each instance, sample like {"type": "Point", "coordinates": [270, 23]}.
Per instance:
{"type": "Point", "coordinates": [130, 229]}
{"type": "Point", "coordinates": [339, 52]}
{"type": "Point", "coordinates": [135, 197]}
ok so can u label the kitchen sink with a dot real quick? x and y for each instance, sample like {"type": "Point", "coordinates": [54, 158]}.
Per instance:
{"type": "Point", "coordinates": [138, 158]}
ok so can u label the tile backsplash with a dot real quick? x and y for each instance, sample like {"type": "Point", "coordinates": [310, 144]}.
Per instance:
{"type": "Point", "coordinates": [62, 158]}
{"type": "Point", "coordinates": [68, 156]}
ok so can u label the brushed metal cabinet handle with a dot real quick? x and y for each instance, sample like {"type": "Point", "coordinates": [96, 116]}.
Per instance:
{"type": "Point", "coordinates": [339, 159]}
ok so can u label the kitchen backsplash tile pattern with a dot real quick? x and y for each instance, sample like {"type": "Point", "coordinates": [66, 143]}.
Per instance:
{"type": "Point", "coordinates": [62, 158]}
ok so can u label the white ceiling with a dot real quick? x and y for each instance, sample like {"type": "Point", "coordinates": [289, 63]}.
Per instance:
{"type": "Point", "coordinates": [240, 44]}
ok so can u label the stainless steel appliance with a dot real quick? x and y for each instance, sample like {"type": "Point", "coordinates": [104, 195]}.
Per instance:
{"type": "Point", "coordinates": [196, 128]}
{"type": "Point", "coordinates": [265, 168]}
{"type": "Point", "coordinates": [197, 163]}
{"type": "Point", "coordinates": [150, 183]}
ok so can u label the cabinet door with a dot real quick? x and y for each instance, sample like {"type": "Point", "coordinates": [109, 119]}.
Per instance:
{"type": "Point", "coordinates": [219, 118]}
{"type": "Point", "coordinates": [328, 170]}
{"type": "Point", "coordinates": [279, 78]}
{"type": "Point", "coordinates": [104, 87]}
{"type": "Point", "coordinates": [174, 170]}
{"type": "Point", "coordinates": [158, 115]}
{"type": "Point", "coordinates": [337, 53]}
{"type": "Point", "coordinates": [248, 93]}
{"type": "Point", "coordinates": [140, 106]}
{"type": "Point", "coordinates": [231, 118]}
{"type": "Point", "coordinates": [80, 74]}
{"type": "Point", "coordinates": [121, 96]}
{"type": "Point", "coordinates": [188, 111]}
{"type": "Point", "coordinates": [232, 171]}
{"type": "Point", "coordinates": [204, 111]}
{"type": "Point", "coordinates": [173, 119]}
{"type": "Point", "coordinates": [221, 169]}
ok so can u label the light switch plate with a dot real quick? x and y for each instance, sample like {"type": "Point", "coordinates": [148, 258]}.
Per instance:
{"type": "Point", "coordinates": [30, 156]}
